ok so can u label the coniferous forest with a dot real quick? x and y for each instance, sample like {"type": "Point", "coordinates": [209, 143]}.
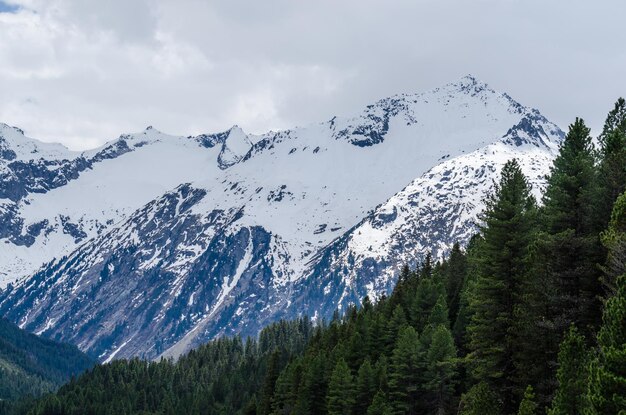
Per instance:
{"type": "Point", "coordinates": [529, 318]}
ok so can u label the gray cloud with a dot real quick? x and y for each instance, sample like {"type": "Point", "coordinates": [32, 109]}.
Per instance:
{"type": "Point", "coordinates": [82, 72]}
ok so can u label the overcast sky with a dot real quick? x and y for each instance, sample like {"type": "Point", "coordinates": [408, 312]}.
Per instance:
{"type": "Point", "coordinates": [82, 72]}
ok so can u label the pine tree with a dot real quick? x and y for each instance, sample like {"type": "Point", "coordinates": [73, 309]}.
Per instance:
{"type": "Point", "coordinates": [507, 232]}
{"type": "Point", "coordinates": [340, 397]}
{"type": "Point", "coordinates": [440, 368]}
{"type": "Point", "coordinates": [455, 277]}
{"type": "Point", "coordinates": [404, 372]}
{"type": "Point", "coordinates": [480, 400]}
{"type": "Point", "coordinates": [612, 166]}
{"type": "Point", "coordinates": [311, 399]}
{"type": "Point", "coordinates": [607, 380]}
{"type": "Point", "coordinates": [271, 374]}
{"type": "Point", "coordinates": [614, 240]}
{"type": "Point", "coordinates": [528, 406]}
{"type": "Point", "coordinates": [572, 235]}
{"type": "Point", "coordinates": [379, 405]}
{"type": "Point", "coordinates": [572, 375]}
{"type": "Point", "coordinates": [438, 317]}
{"type": "Point", "coordinates": [366, 387]}
{"type": "Point", "coordinates": [395, 324]}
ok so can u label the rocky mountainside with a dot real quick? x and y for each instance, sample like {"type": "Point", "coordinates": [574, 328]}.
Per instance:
{"type": "Point", "coordinates": [155, 243]}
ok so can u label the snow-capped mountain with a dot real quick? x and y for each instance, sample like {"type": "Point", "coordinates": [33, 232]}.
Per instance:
{"type": "Point", "coordinates": [155, 243]}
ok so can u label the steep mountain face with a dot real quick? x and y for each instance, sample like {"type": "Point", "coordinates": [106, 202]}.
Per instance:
{"type": "Point", "coordinates": [156, 243]}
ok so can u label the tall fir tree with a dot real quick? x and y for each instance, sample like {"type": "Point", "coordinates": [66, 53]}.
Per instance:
{"type": "Point", "coordinates": [607, 374]}
{"type": "Point", "coordinates": [572, 245]}
{"type": "Point", "coordinates": [404, 372]}
{"type": "Point", "coordinates": [528, 406]}
{"type": "Point", "coordinates": [612, 163]}
{"type": "Point", "coordinates": [480, 400]}
{"type": "Point", "coordinates": [507, 233]}
{"type": "Point", "coordinates": [366, 387]}
{"type": "Point", "coordinates": [572, 375]}
{"type": "Point", "coordinates": [441, 369]}
{"type": "Point", "coordinates": [614, 240]}
{"type": "Point", "coordinates": [340, 398]}
{"type": "Point", "coordinates": [379, 405]}
{"type": "Point", "coordinates": [455, 274]}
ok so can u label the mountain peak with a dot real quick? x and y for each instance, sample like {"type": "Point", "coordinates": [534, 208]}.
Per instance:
{"type": "Point", "coordinates": [234, 148]}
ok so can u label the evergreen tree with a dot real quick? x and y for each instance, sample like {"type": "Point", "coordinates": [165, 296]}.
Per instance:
{"type": "Point", "coordinates": [572, 235]}
{"type": "Point", "coordinates": [366, 386]}
{"type": "Point", "coordinates": [440, 366]}
{"type": "Point", "coordinates": [480, 400]}
{"type": "Point", "coordinates": [612, 166]}
{"type": "Point", "coordinates": [379, 405]}
{"type": "Point", "coordinates": [528, 406]}
{"type": "Point", "coordinates": [614, 240]}
{"type": "Point", "coordinates": [507, 233]}
{"type": "Point", "coordinates": [271, 374]}
{"type": "Point", "coordinates": [340, 398]}
{"type": "Point", "coordinates": [455, 273]}
{"type": "Point", "coordinates": [607, 380]}
{"type": "Point", "coordinates": [571, 376]}
{"type": "Point", "coordinates": [404, 372]}
{"type": "Point", "coordinates": [395, 324]}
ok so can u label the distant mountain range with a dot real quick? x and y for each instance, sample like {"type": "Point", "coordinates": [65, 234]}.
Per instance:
{"type": "Point", "coordinates": [154, 243]}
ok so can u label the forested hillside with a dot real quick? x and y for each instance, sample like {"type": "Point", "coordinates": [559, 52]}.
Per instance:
{"type": "Point", "coordinates": [530, 317]}
{"type": "Point", "coordinates": [31, 366]}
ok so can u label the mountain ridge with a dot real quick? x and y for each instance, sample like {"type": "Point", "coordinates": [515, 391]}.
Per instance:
{"type": "Point", "coordinates": [221, 239]}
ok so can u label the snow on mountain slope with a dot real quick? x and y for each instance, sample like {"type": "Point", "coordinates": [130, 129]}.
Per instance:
{"type": "Point", "coordinates": [112, 182]}
{"type": "Point", "coordinates": [429, 215]}
{"type": "Point", "coordinates": [161, 242]}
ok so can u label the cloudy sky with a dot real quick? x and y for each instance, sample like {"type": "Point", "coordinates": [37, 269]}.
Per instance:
{"type": "Point", "coordinates": [83, 71]}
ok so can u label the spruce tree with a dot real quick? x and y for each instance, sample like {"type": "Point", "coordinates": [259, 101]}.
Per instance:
{"type": "Point", "coordinates": [271, 374]}
{"type": "Point", "coordinates": [379, 405]}
{"type": "Point", "coordinates": [607, 379]}
{"type": "Point", "coordinates": [572, 244]}
{"type": "Point", "coordinates": [572, 375]}
{"type": "Point", "coordinates": [441, 369]}
{"type": "Point", "coordinates": [614, 240]}
{"type": "Point", "coordinates": [340, 397]}
{"type": "Point", "coordinates": [455, 273]}
{"type": "Point", "coordinates": [480, 400]}
{"type": "Point", "coordinates": [528, 406]}
{"type": "Point", "coordinates": [507, 232]}
{"type": "Point", "coordinates": [404, 372]}
{"type": "Point", "coordinates": [612, 166]}
{"type": "Point", "coordinates": [366, 386]}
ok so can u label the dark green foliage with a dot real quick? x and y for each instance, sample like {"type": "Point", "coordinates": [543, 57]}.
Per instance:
{"type": "Point", "coordinates": [340, 398]}
{"type": "Point", "coordinates": [441, 369]}
{"type": "Point", "coordinates": [480, 400]}
{"type": "Point", "coordinates": [367, 385]}
{"type": "Point", "coordinates": [404, 372]}
{"type": "Point", "coordinates": [32, 366]}
{"type": "Point", "coordinates": [528, 406]}
{"type": "Point", "coordinates": [607, 379]}
{"type": "Point", "coordinates": [614, 240]}
{"type": "Point", "coordinates": [379, 405]}
{"type": "Point", "coordinates": [572, 375]}
{"type": "Point", "coordinates": [507, 232]}
{"type": "Point", "coordinates": [454, 275]}
{"type": "Point", "coordinates": [222, 377]}
{"type": "Point", "coordinates": [612, 166]}
{"type": "Point", "coordinates": [572, 247]}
